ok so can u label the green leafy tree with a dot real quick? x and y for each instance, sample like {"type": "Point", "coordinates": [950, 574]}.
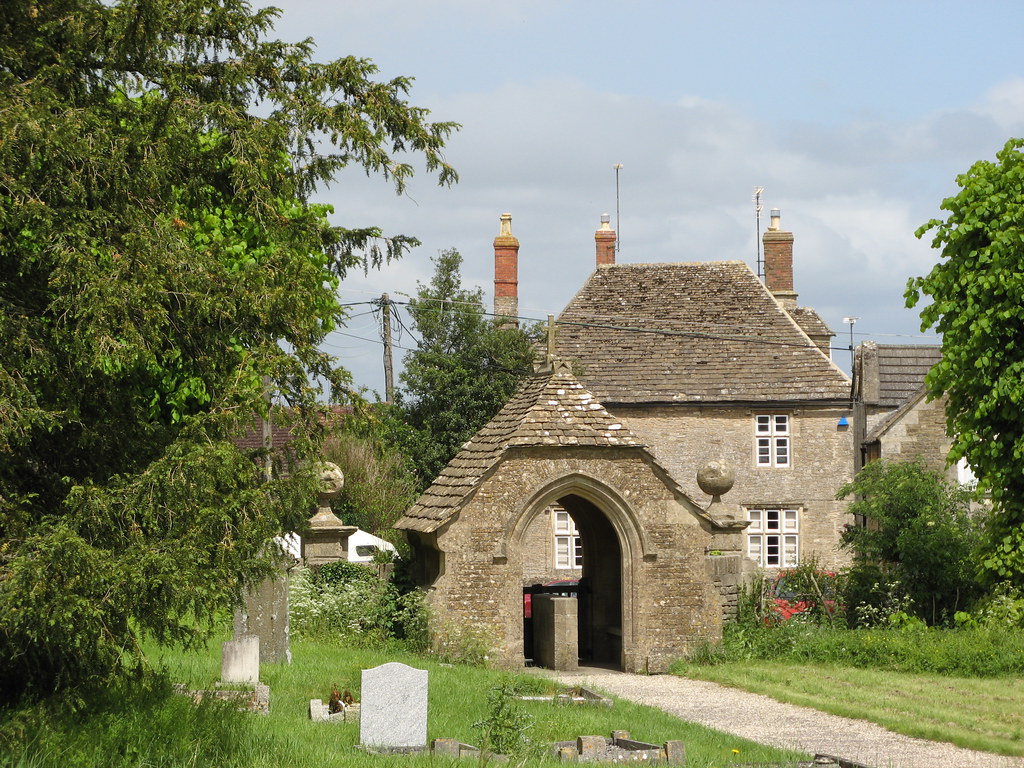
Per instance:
{"type": "Point", "coordinates": [976, 306]}
{"type": "Point", "coordinates": [162, 268]}
{"type": "Point", "coordinates": [462, 371]}
{"type": "Point", "coordinates": [920, 531]}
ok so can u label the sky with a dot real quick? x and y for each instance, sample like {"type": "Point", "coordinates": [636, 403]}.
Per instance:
{"type": "Point", "coordinates": [855, 118]}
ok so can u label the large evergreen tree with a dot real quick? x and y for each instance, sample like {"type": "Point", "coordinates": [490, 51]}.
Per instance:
{"type": "Point", "coordinates": [463, 369]}
{"type": "Point", "coordinates": [161, 268]}
{"type": "Point", "coordinates": [976, 305]}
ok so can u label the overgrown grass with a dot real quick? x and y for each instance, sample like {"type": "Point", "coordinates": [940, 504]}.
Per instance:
{"type": "Point", "coordinates": [957, 652]}
{"type": "Point", "coordinates": [983, 714]}
{"type": "Point", "coordinates": [151, 727]}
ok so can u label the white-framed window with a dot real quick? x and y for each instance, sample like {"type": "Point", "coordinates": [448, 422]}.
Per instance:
{"type": "Point", "coordinates": [965, 475]}
{"type": "Point", "coordinates": [773, 537]}
{"type": "Point", "coordinates": [772, 436]}
{"type": "Point", "coordinates": [568, 547]}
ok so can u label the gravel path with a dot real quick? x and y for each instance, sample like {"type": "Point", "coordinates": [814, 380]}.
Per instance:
{"type": "Point", "coordinates": [767, 721]}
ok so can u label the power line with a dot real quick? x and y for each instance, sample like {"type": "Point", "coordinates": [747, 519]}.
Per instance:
{"type": "Point", "coordinates": [699, 334]}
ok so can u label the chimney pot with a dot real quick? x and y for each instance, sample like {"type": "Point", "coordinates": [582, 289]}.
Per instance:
{"type": "Point", "coordinates": [604, 239]}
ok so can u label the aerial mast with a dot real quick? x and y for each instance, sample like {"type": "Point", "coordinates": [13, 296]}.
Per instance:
{"type": "Point", "coordinates": [758, 191]}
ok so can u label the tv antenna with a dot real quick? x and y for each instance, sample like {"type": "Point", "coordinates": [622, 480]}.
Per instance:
{"type": "Point", "coordinates": [758, 191]}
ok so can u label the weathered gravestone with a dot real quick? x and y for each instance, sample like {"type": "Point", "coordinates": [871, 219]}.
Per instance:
{"type": "Point", "coordinates": [265, 615]}
{"type": "Point", "coordinates": [394, 708]}
{"type": "Point", "coordinates": [240, 661]}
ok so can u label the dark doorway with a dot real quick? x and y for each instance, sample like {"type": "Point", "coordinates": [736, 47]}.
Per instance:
{"type": "Point", "coordinates": [600, 588]}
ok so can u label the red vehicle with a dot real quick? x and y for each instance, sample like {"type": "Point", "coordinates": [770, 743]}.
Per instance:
{"type": "Point", "coordinates": [788, 600]}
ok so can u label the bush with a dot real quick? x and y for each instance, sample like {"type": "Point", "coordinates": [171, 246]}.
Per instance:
{"type": "Point", "coordinates": [923, 535]}
{"type": "Point", "coordinates": [806, 593]}
{"type": "Point", "coordinates": [349, 600]}
{"type": "Point", "coordinates": [460, 643]}
{"type": "Point", "coordinates": [1002, 608]}
{"type": "Point", "coordinates": [873, 596]}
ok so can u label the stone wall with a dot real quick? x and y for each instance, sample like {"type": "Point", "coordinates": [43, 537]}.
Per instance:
{"type": "Point", "coordinates": [684, 438]}
{"type": "Point", "coordinates": [920, 434]}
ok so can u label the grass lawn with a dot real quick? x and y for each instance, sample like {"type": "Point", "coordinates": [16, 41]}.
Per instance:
{"type": "Point", "coordinates": [978, 713]}
{"type": "Point", "coordinates": [168, 731]}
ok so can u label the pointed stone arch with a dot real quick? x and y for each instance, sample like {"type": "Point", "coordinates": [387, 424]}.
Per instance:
{"type": "Point", "coordinates": [622, 516]}
{"type": "Point", "coordinates": [607, 629]}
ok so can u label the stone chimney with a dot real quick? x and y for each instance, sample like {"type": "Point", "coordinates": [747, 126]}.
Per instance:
{"type": "Point", "coordinates": [605, 240]}
{"type": "Point", "coordinates": [506, 272]}
{"type": "Point", "coordinates": [778, 262]}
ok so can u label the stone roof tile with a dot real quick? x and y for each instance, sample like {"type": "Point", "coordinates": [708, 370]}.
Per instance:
{"type": "Point", "coordinates": [902, 368]}
{"type": "Point", "coordinates": [550, 408]}
{"type": "Point", "coordinates": [690, 332]}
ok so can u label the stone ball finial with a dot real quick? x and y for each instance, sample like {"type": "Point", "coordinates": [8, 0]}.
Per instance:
{"type": "Point", "coordinates": [716, 477]}
{"type": "Point", "coordinates": [332, 480]}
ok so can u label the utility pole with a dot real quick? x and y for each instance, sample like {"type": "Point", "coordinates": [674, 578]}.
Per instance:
{"type": "Point", "coordinates": [268, 434]}
{"type": "Point", "coordinates": [389, 371]}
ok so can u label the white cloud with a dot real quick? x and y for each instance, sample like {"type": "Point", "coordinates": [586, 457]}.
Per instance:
{"type": "Point", "coordinates": [853, 194]}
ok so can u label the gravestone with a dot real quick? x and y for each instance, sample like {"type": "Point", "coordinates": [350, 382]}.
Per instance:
{"type": "Point", "coordinates": [394, 708]}
{"type": "Point", "coordinates": [264, 613]}
{"type": "Point", "coordinates": [240, 661]}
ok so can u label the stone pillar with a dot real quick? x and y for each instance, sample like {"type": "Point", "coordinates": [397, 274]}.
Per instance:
{"type": "Point", "coordinates": [556, 632]}
{"type": "Point", "coordinates": [327, 538]}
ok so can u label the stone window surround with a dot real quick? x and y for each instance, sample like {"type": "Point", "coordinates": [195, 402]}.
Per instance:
{"type": "Point", "coordinates": [773, 540]}
{"type": "Point", "coordinates": [772, 446]}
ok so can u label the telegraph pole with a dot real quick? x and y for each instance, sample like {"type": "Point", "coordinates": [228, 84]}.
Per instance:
{"type": "Point", "coordinates": [389, 371]}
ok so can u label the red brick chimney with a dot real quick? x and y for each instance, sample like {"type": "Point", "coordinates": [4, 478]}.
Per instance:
{"type": "Point", "coordinates": [778, 262]}
{"type": "Point", "coordinates": [506, 271]}
{"type": "Point", "coordinates": [605, 241]}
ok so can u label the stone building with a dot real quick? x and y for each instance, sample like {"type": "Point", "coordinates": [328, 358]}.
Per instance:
{"type": "Point", "coordinates": [655, 372]}
{"type": "Point", "coordinates": [893, 417]}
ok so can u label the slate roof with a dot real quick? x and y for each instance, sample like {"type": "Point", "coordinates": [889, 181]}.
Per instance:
{"type": "Point", "coordinates": [902, 368]}
{"type": "Point", "coordinates": [550, 409]}
{"type": "Point", "coordinates": [690, 332]}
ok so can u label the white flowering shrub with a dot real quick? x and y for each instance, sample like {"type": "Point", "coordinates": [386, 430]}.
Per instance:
{"type": "Point", "coordinates": [352, 602]}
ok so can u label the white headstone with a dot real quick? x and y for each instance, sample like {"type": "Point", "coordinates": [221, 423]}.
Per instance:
{"type": "Point", "coordinates": [394, 707]}
{"type": "Point", "coordinates": [240, 660]}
